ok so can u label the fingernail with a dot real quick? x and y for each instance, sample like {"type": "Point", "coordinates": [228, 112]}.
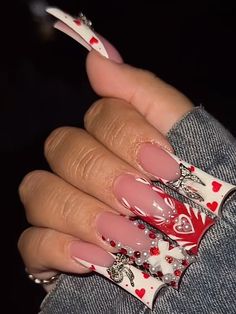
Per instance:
{"type": "Point", "coordinates": [136, 194]}
{"type": "Point", "coordinates": [120, 232]}
{"type": "Point", "coordinates": [113, 53]}
{"type": "Point", "coordinates": [80, 30]}
{"type": "Point", "coordinates": [145, 247]}
{"type": "Point", "coordinates": [177, 220]}
{"type": "Point", "coordinates": [119, 270]}
{"type": "Point", "coordinates": [91, 253]}
{"type": "Point", "coordinates": [188, 180]}
{"type": "Point", "coordinates": [158, 162]}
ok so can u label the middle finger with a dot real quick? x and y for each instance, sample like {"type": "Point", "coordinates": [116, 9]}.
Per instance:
{"type": "Point", "coordinates": [85, 163]}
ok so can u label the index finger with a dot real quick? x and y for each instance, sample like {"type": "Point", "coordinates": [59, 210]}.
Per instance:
{"type": "Point", "coordinates": [161, 104]}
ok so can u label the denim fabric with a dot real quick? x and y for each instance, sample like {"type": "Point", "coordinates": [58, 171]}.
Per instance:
{"type": "Point", "coordinates": [209, 285]}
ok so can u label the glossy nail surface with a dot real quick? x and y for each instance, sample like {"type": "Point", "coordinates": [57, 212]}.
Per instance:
{"type": "Point", "coordinates": [91, 253]}
{"type": "Point", "coordinates": [186, 179]}
{"type": "Point", "coordinates": [80, 30]}
{"type": "Point", "coordinates": [118, 229]}
{"type": "Point", "coordinates": [144, 287]}
{"type": "Point", "coordinates": [179, 221]}
{"type": "Point", "coordinates": [158, 162]}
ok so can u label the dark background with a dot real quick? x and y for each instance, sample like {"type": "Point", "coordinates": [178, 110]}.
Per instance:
{"type": "Point", "coordinates": [44, 85]}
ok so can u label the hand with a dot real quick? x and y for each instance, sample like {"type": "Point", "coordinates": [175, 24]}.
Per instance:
{"type": "Point", "coordinates": [79, 202]}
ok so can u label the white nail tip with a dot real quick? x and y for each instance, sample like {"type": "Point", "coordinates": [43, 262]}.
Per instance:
{"type": "Point", "coordinates": [145, 287]}
{"type": "Point", "coordinates": [80, 28]}
{"type": "Point", "coordinates": [200, 187]}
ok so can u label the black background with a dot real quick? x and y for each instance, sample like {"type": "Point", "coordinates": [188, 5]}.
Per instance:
{"type": "Point", "coordinates": [44, 85]}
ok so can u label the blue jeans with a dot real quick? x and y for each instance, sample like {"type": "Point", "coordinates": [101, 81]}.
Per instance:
{"type": "Point", "coordinates": [209, 285]}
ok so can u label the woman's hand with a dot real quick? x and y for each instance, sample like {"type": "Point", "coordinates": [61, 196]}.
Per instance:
{"type": "Point", "coordinates": [95, 171]}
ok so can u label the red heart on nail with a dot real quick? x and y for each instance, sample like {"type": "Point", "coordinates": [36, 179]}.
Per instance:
{"type": "Point", "coordinates": [77, 22]}
{"type": "Point", "coordinates": [184, 225]}
{"type": "Point", "coordinates": [191, 168]}
{"type": "Point", "coordinates": [145, 275]}
{"type": "Point", "coordinates": [216, 186]}
{"type": "Point", "coordinates": [93, 40]}
{"type": "Point", "coordinates": [92, 267]}
{"type": "Point", "coordinates": [212, 206]}
{"type": "Point", "coordinates": [140, 293]}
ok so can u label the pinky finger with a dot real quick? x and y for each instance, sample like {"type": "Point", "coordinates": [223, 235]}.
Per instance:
{"type": "Point", "coordinates": [46, 252]}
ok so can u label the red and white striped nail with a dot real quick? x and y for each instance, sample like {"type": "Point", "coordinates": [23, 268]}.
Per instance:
{"type": "Point", "coordinates": [119, 270]}
{"type": "Point", "coordinates": [179, 221]}
{"type": "Point", "coordinates": [186, 179]}
{"type": "Point", "coordinates": [145, 247]}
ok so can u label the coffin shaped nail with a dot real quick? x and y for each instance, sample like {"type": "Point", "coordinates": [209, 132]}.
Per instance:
{"type": "Point", "coordinates": [146, 248]}
{"type": "Point", "coordinates": [188, 180]}
{"type": "Point", "coordinates": [179, 221]}
{"type": "Point", "coordinates": [119, 270]}
{"type": "Point", "coordinates": [118, 230]}
{"type": "Point", "coordinates": [82, 27]}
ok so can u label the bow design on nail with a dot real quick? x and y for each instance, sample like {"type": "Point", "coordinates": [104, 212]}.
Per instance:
{"type": "Point", "coordinates": [118, 269]}
{"type": "Point", "coordinates": [182, 183]}
{"type": "Point", "coordinates": [164, 256]}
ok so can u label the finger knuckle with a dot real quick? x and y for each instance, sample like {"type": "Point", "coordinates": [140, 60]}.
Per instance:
{"type": "Point", "coordinates": [115, 132]}
{"type": "Point", "coordinates": [23, 242]}
{"type": "Point", "coordinates": [69, 210]}
{"type": "Point", "coordinates": [93, 112]}
{"type": "Point", "coordinates": [29, 182]}
{"type": "Point", "coordinates": [55, 138]}
{"type": "Point", "coordinates": [88, 163]}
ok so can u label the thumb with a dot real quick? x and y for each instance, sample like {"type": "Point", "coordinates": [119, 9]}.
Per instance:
{"type": "Point", "coordinates": [161, 104]}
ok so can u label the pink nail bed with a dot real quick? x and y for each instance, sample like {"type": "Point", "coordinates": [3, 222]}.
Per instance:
{"type": "Point", "coordinates": [177, 220]}
{"type": "Point", "coordinates": [118, 229]}
{"type": "Point", "coordinates": [186, 179]}
{"type": "Point", "coordinates": [158, 162]}
{"type": "Point", "coordinates": [91, 253]}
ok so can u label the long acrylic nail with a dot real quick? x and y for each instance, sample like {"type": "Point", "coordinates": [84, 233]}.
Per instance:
{"type": "Point", "coordinates": [144, 246]}
{"type": "Point", "coordinates": [151, 253]}
{"type": "Point", "coordinates": [183, 177]}
{"type": "Point", "coordinates": [80, 30]}
{"type": "Point", "coordinates": [120, 231]}
{"type": "Point", "coordinates": [179, 221]}
{"type": "Point", "coordinates": [119, 270]}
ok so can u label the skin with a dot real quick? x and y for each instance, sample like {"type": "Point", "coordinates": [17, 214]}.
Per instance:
{"type": "Point", "coordinates": [62, 205]}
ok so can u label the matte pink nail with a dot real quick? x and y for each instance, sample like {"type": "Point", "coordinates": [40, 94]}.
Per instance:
{"type": "Point", "coordinates": [91, 254]}
{"type": "Point", "coordinates": [158, 162]}
{"type": "Point", "coordinates": [118, 229]}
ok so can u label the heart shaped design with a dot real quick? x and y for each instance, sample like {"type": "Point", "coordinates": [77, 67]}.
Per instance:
{"type": "Point", "coordinates": [140, 293]}
{"type": "Point", "coordinates": [184, 225]}
{"type": "Point", "coordinates": [216, 186]}
{"type": "Point", "coordinates": [212, 206]}
{"type": "Point", "coordinates": [145, 275]}
{"type": "Point", "coordinates": [77, 22]}
{"type": "Point", "coordinates": [191, 168]}
{"type": "Point", "coordinates": [93, 40]}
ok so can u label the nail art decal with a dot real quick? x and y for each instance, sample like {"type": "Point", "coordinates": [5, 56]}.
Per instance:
{"type": "Point", "coordinates": [119, 269]}
{"type": "Point", "coordinates": [199, 186]}
{"type": "Point", "coordinates": [179, 221]}
{"type": "Point", "coordinates": [82, 27]}
{"type": "Point", "coordinates": [130, 278]}
{"type": "Point", "coordinates": [161, 259]}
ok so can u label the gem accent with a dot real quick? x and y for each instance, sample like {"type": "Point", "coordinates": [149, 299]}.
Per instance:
{"type": "Point", "coordinates": [163, 260]}
{"type": "Point", "coordinates": [119, 269]}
